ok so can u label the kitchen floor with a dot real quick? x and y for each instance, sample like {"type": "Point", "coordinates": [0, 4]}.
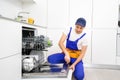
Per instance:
{"type": "Point", "coordinates": [101, 74]}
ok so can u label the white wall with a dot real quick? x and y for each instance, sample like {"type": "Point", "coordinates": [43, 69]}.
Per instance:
{"type": "Point", "coordinates": [10, 8]}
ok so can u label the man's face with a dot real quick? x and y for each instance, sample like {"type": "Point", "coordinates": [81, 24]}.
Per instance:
{"type": "Point", "coordinates": [78, 29]}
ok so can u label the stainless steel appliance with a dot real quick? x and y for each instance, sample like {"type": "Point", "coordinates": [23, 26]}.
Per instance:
{"type": "Point", "coordinates": [118, 42]}
{"type": "Point", "coordinates": [118, 34]}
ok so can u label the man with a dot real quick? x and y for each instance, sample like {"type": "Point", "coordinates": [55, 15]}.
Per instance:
{"type": "Point", "coordinates": [74, 51]}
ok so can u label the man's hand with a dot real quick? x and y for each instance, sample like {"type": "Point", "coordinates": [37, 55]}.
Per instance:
{"type": "Point", "coordinates": [67, 59]}
{"type": "Point", "coordinates": [72, 67]}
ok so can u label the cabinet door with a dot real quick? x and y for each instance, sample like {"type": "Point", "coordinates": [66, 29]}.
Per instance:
{"type": "Point", "coordinates": [10, 68]}
{"type": "Point", "coordinates": [118, 60]}
{"type": "Point", "coordinates": [105, 13]}
{"type": "Point", "coordinates": [10, 8]}
{"type": "Point", "coordinates": [80, 8]}
{"type": "Point", "coordinates": [10, 38]}
{"type": "Point", "coordinates": [87, 57]}
{"type": "Point", "coordinates": [104, 46]}
{"type": "Point", "coordinates": [58, 13]}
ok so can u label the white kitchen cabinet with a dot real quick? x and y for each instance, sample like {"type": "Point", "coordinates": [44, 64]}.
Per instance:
{"type": "Point", "coordinates": [10, 68]}
{"type": "Point", "coordinates": [104, 46]}
{"type": "Point", "coordinates": [80, 8]}
{"type": "Point", "coordinates": [87, 57]}
{"type": "Point", "coordinates": [105, 13]}
{"type": "Point", "coordinates": [118, 60]}
{"type": "Point", "coordinates": [37, 10]}
{"type": "Point", "coordinates": [10, 38]}
{"type": "Point", "coordinates": [10, 8]}
{"type": "Point", "coordinates": [58, 13]}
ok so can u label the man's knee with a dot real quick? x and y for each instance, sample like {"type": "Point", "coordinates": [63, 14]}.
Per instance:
{"type": "Point", "coordinates": [50, 59]}
{"type": "Point", "coordinates": [56, 58]}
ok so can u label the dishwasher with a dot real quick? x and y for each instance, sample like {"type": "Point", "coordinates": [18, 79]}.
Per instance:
{"type": "Point", "coordinates": [34, 65]}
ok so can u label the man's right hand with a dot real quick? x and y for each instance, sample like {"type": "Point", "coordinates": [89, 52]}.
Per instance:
{"type": "Point", "coordinates": [67, 59]}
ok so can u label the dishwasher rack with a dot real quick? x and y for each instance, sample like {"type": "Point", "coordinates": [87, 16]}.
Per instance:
{"type": "Point", "coordinates": [36, 42]}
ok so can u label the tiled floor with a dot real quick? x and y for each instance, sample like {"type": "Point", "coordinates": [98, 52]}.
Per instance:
{"type": "Point", "coordinates": [101, 74]}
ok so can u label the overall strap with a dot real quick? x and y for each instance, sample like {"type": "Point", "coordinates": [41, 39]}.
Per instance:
{"type": "Point", "coordinates": [69, 33]}
{"type": "Point", "coordinates": [81, 37]}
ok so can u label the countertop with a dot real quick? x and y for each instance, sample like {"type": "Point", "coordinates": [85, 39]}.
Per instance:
{"type": "Point", "coordinates": [6, 18]}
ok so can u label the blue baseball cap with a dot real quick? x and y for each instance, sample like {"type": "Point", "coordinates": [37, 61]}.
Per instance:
{"type": "Point", "coordinates": [81, 22]}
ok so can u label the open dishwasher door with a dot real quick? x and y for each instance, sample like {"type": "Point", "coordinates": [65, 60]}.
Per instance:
{"type": "Point", "coordinates": [48, 72]}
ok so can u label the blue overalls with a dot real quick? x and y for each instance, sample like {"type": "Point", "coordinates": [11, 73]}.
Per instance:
{"type": "Point", "coordinates": [59, 58]}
